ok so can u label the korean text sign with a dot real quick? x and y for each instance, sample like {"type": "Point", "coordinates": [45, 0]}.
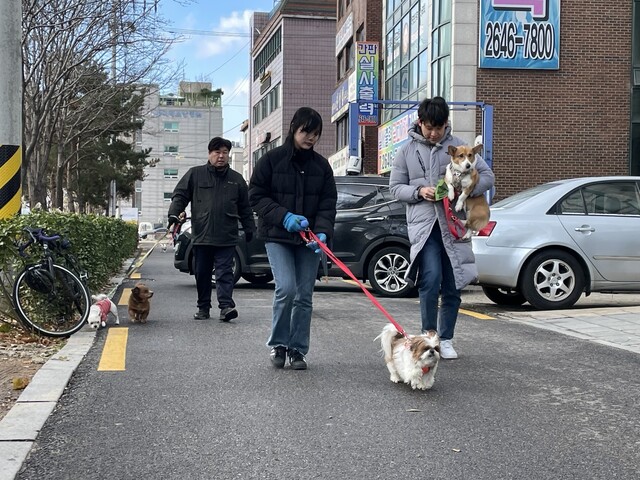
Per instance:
{"type": "Point", "coordinates": [523, 34]}
{"type": "Point", "coordinates": [367, 82]}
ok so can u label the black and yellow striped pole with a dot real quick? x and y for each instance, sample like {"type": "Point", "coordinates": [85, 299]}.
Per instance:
{"type": "Point", "coordinates": [10, 186]}
{"type": "Point", "coordinates": [10, 108]}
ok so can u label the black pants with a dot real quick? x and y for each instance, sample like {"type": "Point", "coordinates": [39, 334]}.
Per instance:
{"type": "Point", "coordinates": [206, 257]}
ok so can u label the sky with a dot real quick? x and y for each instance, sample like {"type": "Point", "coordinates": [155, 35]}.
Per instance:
{"type": "Point", "coordinates": [216, 49]}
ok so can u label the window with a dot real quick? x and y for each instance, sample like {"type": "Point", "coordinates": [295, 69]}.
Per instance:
{"type": "Point", "coordinates": [441, 49]}
{"type": "Point", "coordinates": [170, 126]}
{"type": "Point", "coordinates": [268, 104]}
{"type": "Point", "coordinates": [342, 132]}
{"type": "Point", "coordinates": [349, 53]}
{"type": "Point", "coordinates": [167, 197]}
{"type": "Point", "coordinates": [268, 53]}
{"type": "Point", "coordinates": [351, 197]}
{"type": "Point", "coordinates": [171, 149]}
{"type": "Point", "coordinates": [618, 198]}
{"type": "Point", "coordinates": [170, 173]}
{"type": "Point", "coordinates": [264, 149]}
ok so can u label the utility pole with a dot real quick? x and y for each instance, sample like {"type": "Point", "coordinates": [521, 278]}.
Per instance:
{"type": "Point", "coordinates": [10, 108]}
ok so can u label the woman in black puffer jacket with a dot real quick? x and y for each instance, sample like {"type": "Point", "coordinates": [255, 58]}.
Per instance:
{"type": "Point", "coordinates": [292, 188]}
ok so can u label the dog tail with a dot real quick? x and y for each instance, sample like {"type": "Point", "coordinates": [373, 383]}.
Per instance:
{"type": "Point", "coordinates": [388, 335]}
{"type": "Point", "coordinates": [98, 297]}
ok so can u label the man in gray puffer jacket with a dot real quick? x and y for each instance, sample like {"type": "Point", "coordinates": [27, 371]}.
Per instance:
{"type": "Point", "coordinates": [442, 264]}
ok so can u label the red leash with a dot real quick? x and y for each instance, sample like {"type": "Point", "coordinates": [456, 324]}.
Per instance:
{"type": "Point", "coordinates": [456, 227]}
{"type": "Point", "coordinates": [309, 236]}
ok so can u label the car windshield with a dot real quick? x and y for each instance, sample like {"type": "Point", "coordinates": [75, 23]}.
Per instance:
{"type": "Point", "coordinates": [523, 196]}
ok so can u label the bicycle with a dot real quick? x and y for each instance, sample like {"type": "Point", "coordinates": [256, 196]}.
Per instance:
{"type": "Point", "coordinates": [49, 298]}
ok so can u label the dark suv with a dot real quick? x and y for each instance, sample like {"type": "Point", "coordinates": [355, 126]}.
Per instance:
{"type": "Point", "coordinates": [370, 238]}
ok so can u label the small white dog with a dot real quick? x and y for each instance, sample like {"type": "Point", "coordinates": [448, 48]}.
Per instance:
{"type": "Point", "coordinates": [412, 360]}
{"type": "Point", "coordinates": [100, 309]}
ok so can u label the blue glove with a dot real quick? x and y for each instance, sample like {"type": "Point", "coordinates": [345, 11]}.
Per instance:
{"type": "Point", "coordinates": [314, 245]}
{"type": "Point", "coordinates": [295, 223]}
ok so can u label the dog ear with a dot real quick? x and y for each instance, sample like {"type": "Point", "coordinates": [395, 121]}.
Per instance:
{"type": "Point", "coordinates": [135, 290]}
{"type": "Point", "coordinates": [452, 150]}
{"type": "Point", "coordinates": [477, 149]}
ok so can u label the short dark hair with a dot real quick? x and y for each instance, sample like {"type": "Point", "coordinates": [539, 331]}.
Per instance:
{"type": "Point", "coordinates": [217, 143]}
{"type": "Point", "coordinates": [306, 118]}
{"type": "Point", "coordinates": [434, 110]}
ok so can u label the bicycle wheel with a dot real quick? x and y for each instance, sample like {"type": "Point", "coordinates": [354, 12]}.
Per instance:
{"type": "Point", "coordinates": [55, 307]}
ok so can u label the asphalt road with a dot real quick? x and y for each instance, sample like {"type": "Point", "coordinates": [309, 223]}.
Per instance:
{"type": "Point", "coordinates": [200, 400]}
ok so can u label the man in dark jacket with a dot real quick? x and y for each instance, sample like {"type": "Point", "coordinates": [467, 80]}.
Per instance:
{"type": "Point", "coordinates": [219, 198]}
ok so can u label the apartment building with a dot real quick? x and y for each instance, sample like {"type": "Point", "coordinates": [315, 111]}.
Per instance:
{"type": "Point", "coordinates": [177, 128]}
{"type": "Point", "coordinates": [292, 65]}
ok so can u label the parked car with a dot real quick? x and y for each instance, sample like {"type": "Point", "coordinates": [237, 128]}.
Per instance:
{"type": "Point", "coordinates": [370, 238]}
{"type": "Point", "coordinates": [550, 244]}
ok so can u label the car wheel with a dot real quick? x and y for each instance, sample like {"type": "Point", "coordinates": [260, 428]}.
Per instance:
{"type": "Point", "coordinates": [386, 272]}
{"type": "Point", "coordinates": [258, 278]}
{"type": "Point", "coordinates": [552, 279]}
{"type": "Point", "coordinates": [504, 296]}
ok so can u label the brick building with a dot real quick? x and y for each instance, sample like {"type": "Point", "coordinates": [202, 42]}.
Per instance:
{"type": "Point", "coordinates": [291, 66]}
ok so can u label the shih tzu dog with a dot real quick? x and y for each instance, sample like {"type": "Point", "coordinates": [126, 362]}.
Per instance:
{"type": "Point", "coordinates": [99, 311]}
{"type": "Point", "coordinates": [412, 360]}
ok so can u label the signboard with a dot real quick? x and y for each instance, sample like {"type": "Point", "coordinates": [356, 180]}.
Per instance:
{"type": "Point", "coordinates": [341, 97]}
{"type": "Point", "coordinates": [344, 34]}
{"type": "Point", "coordinates": [523, 34]}
{"type": "Point", "coordinates": [391, 136]}
{"type": "Point", "coordinates": [367, 82]}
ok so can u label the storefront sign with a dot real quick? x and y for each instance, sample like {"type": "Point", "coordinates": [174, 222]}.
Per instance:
{"type": "Point", "coordinates": [523, 34]}
{"type": "Point", "coordinates": [367, 82]}
{"type": "Point", "coordinates": [391, 136]}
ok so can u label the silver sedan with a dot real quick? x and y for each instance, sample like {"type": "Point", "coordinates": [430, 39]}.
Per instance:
{"type": "Point", "coordinates": [550, 244]}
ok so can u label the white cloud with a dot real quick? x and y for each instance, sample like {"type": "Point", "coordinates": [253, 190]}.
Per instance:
{"type": "Point", "coordinates": [237, 25]}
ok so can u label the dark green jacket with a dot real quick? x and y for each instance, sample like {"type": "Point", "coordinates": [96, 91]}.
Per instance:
{"type": "Point", "coordinates": [219, 199]}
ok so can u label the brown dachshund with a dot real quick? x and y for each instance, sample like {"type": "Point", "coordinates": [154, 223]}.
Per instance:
{"type": "Point", "coordinates": [139, 304]}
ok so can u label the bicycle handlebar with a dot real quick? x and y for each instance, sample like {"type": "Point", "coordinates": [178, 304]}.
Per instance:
{"type": "Point", "coordinates": [38, 235]}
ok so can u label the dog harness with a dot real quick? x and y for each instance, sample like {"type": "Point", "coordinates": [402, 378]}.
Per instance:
{"type": "Point", "coordinates": [105, 308]}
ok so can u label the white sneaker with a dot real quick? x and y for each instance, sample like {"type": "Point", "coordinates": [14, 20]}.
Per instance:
{"type": "Point", "coordinates": [446, 350]}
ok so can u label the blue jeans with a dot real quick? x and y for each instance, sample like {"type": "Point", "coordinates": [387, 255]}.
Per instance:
{"type": "Point", "coordinates": [435, 280]}
{"type": "Point", "coordinates": [294, 268]}
{"type": "Point", "coordinates": [206, 257]}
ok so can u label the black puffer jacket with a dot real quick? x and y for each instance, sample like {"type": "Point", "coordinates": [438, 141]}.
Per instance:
{"type": "Point", "coordinates": [297, 181]}
{"type": "Point", "coordinates": [219, 198]}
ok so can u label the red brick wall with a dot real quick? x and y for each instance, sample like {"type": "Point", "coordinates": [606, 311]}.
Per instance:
{"type": "Point", "coordinates": [571, 122]}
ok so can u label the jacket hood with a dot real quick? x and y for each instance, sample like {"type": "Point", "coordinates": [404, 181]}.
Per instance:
{"type": "Point", "coordinates": [416, 134]}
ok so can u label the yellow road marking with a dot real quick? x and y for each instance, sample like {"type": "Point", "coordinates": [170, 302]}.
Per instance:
{"type": "Point", "coordinates": [351, 282]}
{"type": "Point", "coordinates": [135, 275]}
{"type": "Point", "coordinates": [114, 352]}
{"type": "Point", "coordinates": [124, 297]}
{"type": "Point", "coordinates": [477, 315]}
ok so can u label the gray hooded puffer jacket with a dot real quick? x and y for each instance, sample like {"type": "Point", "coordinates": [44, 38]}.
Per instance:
{"type": "Point", "coordinates": [419, 163]}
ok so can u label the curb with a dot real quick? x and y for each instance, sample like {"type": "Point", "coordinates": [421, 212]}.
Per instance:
{"type": "Point", "coordinates": [22, 424]}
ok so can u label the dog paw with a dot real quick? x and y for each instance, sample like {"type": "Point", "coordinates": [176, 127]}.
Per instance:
{"type": "Point", "coordinates": [459, 206]}
{"type": "Point", "coordinates": [394, 379]}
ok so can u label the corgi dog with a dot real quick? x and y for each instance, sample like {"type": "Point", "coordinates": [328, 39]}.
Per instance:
{"type": "Point", "coordinates": [461, 178]}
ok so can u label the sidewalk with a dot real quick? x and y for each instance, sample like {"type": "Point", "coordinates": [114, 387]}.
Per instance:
{"type": "Point", "coordinates": [21, 425]}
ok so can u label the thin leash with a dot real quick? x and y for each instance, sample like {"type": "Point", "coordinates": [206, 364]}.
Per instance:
{"type": "Point", "coordinates": [456, 227]}
{"type": "Point", "coordinates": [309, 236]}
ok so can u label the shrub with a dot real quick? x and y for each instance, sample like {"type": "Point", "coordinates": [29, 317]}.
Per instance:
{"type": "Point", "coordinates": [101, 244]}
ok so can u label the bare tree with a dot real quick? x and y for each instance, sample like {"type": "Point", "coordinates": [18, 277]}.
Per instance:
{"type": "Point", "coordinates": [66, 45]}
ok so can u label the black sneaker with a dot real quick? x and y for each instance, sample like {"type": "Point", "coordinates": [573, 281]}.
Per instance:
{"type": "Point", "coordinates": [297, 360]}
{"type": "Point", "coordinates": [278, 356]}
{"type": "Point", "coordinates": [201, 315]}
{"type": "Point", "coordinates": [228, 314]}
